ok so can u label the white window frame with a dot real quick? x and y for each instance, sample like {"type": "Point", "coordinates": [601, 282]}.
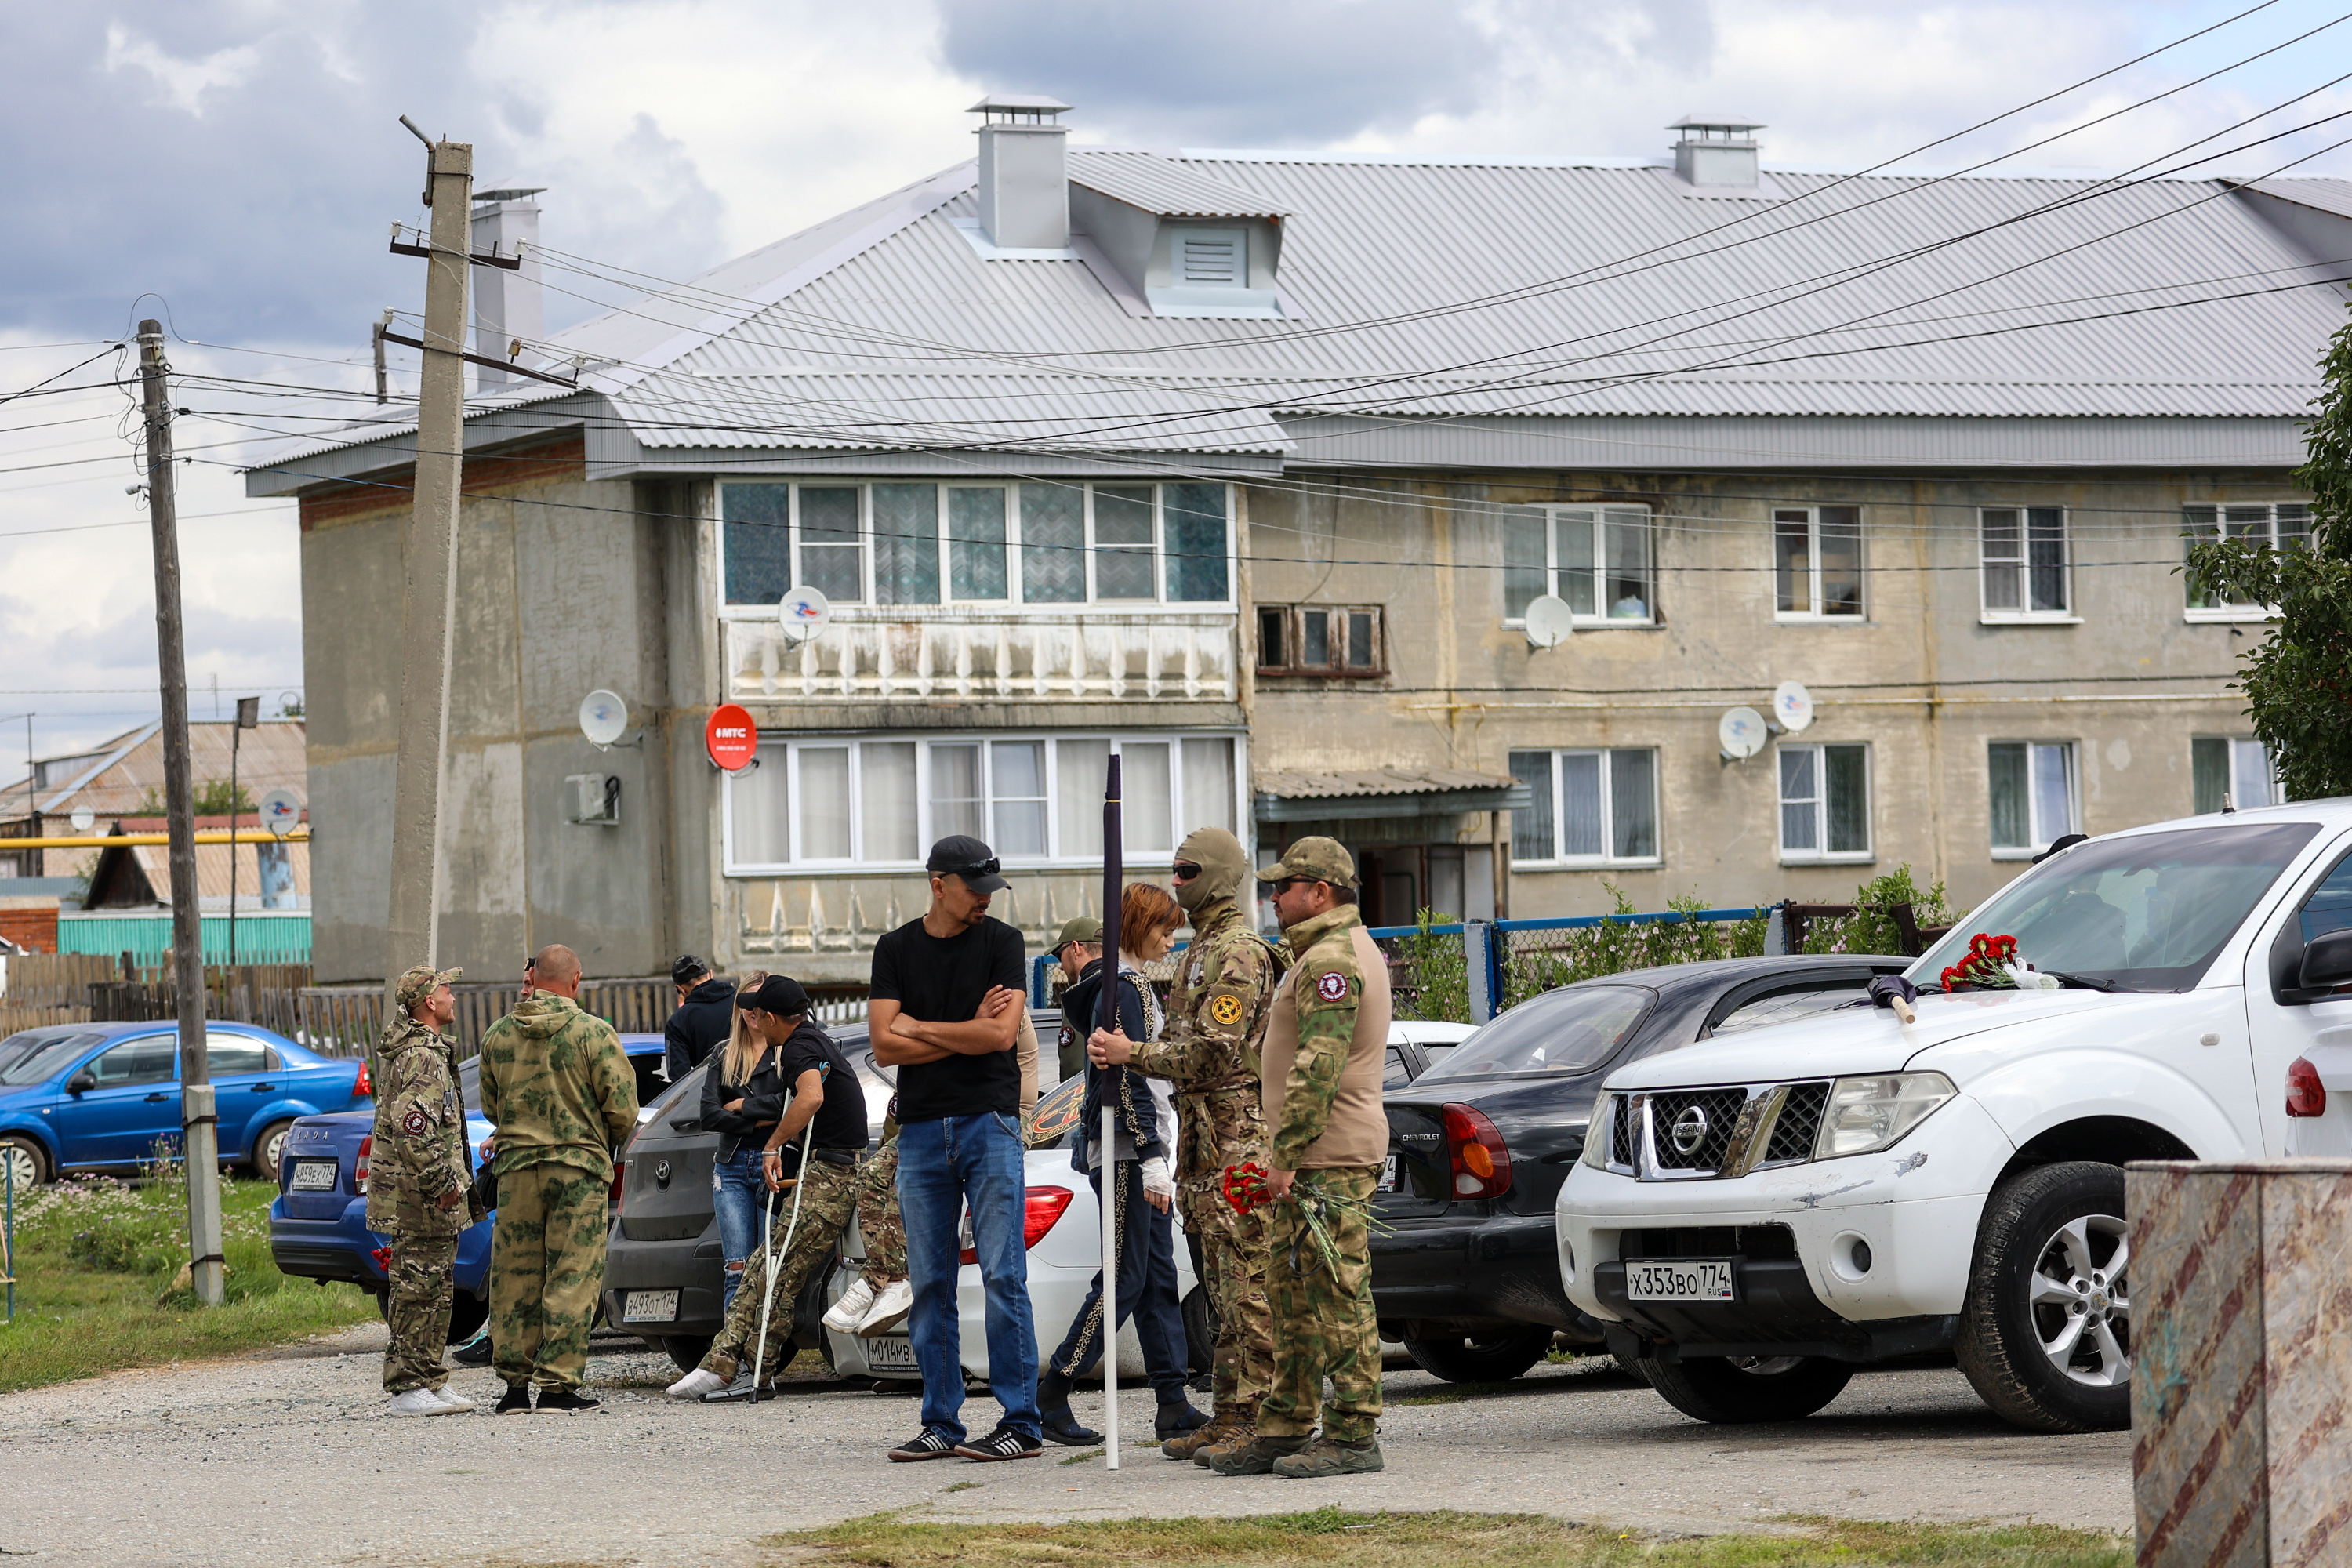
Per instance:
{"type": "Point", "coordinates": [2214, 518]}
{"type": "Point", "coordinates": [2034, 825]}
{"type": "Point", "coordinates": [783, 750]}
{"type": "Point", "coordinates": [1599, 513]}
{"type": "Point", "coordinates": [868, 607]}
{"type": "Point", "coordinates": [2022, 564]}
{"type": "Point", "coordinates": [2234, 786]}
{"type": "Point", "coordinates": [1608, 856]}
{"type": "Point", "coordinates": [1822, 853]}
{"type": "Point", "coordinates": [1814, 613]}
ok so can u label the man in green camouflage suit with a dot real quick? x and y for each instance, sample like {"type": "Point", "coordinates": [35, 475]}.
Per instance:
{"type": "Point", "coordinates": [1217, 1013]}
{"type": "Point", "coordinates": [1324, 1048]}
{"type": "Point", "coordinates": [559, 1093]}
{"type": "Point", "coordinates": [420, 1188]}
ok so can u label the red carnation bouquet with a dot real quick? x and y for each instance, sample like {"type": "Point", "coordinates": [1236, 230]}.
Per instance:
{"type": "Point", "coordinates": [1246, 1188]}
{"type": "Point", "coordinates": [1983, 966]}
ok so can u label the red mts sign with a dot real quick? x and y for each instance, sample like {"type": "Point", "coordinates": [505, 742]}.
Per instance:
{"type": "Point", "coordinates": [730, 737]}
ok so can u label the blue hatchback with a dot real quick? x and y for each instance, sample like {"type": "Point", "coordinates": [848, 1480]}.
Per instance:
{"type": "Point", "coordinates": [318, 1227]}
{"type": "Point", "coordinates": [97, 1096]}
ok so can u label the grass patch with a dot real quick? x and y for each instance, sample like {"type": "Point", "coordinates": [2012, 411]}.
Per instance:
{"type": "Point", "coordinates": [96, 1260]}
{"type": "Point", "coordinates": [1415, 1540]}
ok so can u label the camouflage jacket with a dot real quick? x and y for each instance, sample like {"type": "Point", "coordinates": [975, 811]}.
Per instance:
{"type": "Point", "coordinates": [417, 1152]}
{"type": "Point", "coordinates": [557, 1087]}
{"type": "Point", "coordinates": [1217, 1012]}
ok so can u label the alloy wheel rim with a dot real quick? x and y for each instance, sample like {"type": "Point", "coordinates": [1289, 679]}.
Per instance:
{"type": "Point", "coordinates": [2080, 1298]}
{"type": "Point", "coordinates": [19, 1160]}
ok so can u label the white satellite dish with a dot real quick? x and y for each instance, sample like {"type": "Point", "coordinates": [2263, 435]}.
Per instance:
{"type": "Point", "coordinates": [281, 811]}
{"type": "Point", "coordinates": [1549, 621]}
{"type": "Point", "coordinates": [1742, 732]}
{"type": "Point", "coordinates": [803, 612]}
{"type": "Point", "coordinates": [84, 819]}
{"type": "Point", "coordinates": [1792, 705]}
{"type": "Point", "coordinates": [603, 717]}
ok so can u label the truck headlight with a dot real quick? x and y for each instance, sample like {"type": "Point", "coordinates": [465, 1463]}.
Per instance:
{"type": "Point", "coordinates": [1600, 1130]}
{"type": "Point", "coordinates": [1866, 1114]}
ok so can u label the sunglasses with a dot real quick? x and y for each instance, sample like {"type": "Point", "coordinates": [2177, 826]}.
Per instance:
{"type": "Point", "coordinates": [1185, 873]}
{"type": "Point", "coordinates": [988, 868]}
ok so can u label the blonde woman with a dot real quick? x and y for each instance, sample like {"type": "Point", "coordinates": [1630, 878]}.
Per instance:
{"type": "Point", "coordinates": [742, 1098]}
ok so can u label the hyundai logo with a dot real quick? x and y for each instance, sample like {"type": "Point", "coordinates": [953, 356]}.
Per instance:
{"type": "Point", "coordinates": [1689, 1130]}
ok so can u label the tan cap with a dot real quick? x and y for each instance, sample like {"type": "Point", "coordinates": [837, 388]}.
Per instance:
{"type": "Point", "coordinates": [421, 981]}
{"type": "Point", "coordinates": [1079, 928]}
{"type": "Point", "coordinates": [1323, 860]}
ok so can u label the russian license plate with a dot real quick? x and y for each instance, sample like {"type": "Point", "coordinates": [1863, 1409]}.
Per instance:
{"type": "Point", "coordinates": [1678, 1279]}
{"type": "Point", "coordinates": [1388, 1174]}
{"type": "Point", "coordinates": [314, 1176]}
{"type": "Point", "coordinates": [650, 1307]}
{"type": "Point", "coordinates": [890, 1352]}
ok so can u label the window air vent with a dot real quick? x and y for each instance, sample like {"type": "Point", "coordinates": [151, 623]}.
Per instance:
{"type": "Point", "coordinates": [1212, 258]}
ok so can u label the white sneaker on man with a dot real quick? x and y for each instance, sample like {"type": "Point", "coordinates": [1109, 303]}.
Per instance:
{"type": "Point", "coordinates": [851, 1309]}
{"type": "Point", "coordinates": [890, 1309]}
{"type": "Point", "coordinates": [452, 1398]}
{"type": "Point", "coordinates": [419, 1402]}
{"type": "Point", "coordinates": [696, 1384]}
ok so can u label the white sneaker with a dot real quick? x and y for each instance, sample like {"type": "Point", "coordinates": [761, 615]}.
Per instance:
{"type": "Point", "coordinates": [451, 1399]}
{"type": "Point", "coordinates": [890, 1309]}
{"type": "Point", "coordinates": [847, 1313]}
{"type": "Point", "coordinates": [419, 1402]}
{"type": "Point", "coordinates": [696, 1384]}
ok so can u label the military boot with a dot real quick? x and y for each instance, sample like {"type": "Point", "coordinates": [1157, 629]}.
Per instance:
{"type": "Point", "coordinates": [1244, 1419]}
{"type": "Point", "coordinates": [1258, 1456]}
{"type": "Point", "coordinates": [1327, 1458]}
{"type": "Point", "coordinates": [1224, 1426]}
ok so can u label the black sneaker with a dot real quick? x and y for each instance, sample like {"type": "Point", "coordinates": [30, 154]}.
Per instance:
{"type": "Point", "coordinates": [515, 1398]}
{"type": "Point", "coordinates": [476, 1354]}
{"type": "Point", "coordinates": [567, 1399]}
{"type": "Point", "coordinates": [1062, 1426]}
{"type": "Point", "coordinates": [926, 1444]}
{"type": "Point", "coordinates": [1005, 1442]}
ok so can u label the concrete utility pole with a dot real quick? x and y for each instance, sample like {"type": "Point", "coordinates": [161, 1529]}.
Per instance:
{"type": "Point", "coordinates": [429, 571]}
{"type": "Point", "coordinates": [199, 1127]}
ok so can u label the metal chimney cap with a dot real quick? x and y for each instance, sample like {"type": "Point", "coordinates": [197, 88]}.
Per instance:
{"type": "Point", "coordinates": [1726, 123]}
{"type": "Point", "coordinates": [1028, 103]}
{"type": "Point", "coordinates": [508, 194]}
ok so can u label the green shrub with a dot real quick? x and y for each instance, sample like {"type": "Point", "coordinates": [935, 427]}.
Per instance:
{"type": "Point", "coordinates": [1872, 927]}
{"type": "Point", "coordinates": [1541, 960]}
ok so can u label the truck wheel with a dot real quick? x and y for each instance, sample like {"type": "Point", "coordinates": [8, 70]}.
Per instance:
{"type": "Point", "coordinates": [2045, 1331]}
{"type": "Point", "coordinates": [1491, 1356]}
{"type": "Point", "coordinates": [467, 1312]}
{"type": "Point", "coordinates": [1733, 1390]}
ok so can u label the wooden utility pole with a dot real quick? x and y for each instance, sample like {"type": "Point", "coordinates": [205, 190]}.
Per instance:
{"type": "Point", "coordinates": [199, 1126]}
{"type": "Point", "coordinates": [429, 570]}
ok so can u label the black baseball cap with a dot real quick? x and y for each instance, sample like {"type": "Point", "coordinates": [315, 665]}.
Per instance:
{"type": "Point", "coordinates": [687, 969]}
{"type": "Point", "coordinates": [779, 993]}
{"type": "Point", "coordinates": [961, 855]}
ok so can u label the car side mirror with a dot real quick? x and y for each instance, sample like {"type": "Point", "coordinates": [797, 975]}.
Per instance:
{"type": "Point", "coordinates": [2327, 961]}
{"type": "Point", "coordinates": [81, 1082]}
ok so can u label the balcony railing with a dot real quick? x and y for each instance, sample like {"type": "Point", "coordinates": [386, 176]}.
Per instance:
{"type": "Point", "coordinates": [1018, 658]}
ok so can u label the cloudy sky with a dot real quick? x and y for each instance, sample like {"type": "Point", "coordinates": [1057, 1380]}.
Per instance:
{"type": "Point", "coordinates": [233, 165]}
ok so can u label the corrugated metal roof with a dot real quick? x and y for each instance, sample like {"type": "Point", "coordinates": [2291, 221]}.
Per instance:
{"type": "Point", "coordinates": [2327, 196]}
{"type": "Point", "coordinates": [1163, 185]}
{"type": "Point", "coordinates": [1299, 785]}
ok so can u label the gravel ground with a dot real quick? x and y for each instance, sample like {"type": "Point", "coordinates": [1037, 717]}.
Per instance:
{"type": "Point", "coordinates": [286, 1457]}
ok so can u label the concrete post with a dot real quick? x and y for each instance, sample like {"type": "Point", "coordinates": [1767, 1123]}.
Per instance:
{"type": "Point", "coordinates": [2241, 1361]}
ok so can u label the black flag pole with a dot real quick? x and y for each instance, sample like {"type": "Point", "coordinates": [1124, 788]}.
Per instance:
{"type": "Point", "coordinates": [1106, 1162]}
{"type": "Point", "coordinates": [1114, 877]}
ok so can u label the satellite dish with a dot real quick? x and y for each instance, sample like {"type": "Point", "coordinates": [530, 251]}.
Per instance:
{"type": "Point", "coordinates": [1792, 705]}
{"type": "Point", "coordinates": [1549, 621]}
{"type": "Point", "coordinates": [281, 810]}
{"type": "Point", "coordinates": [1742, 732]}
{"type": "Point", "coordinates": [603, 717]}
{"type": "Point", "coordinates": [84, 819]}
{"type": "Point", "coordinates": [803, 612]}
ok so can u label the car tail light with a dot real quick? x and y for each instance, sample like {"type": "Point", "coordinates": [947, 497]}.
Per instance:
{"type": "Point", "coordinates": [2305, 1095]}
{"type": "Point", "coordinates": [1043, 1211]}
{"type": "Point", "coordinates": [363, 1087]}
{"type": "Point", "coordinates": [1481, 1165]}
{"type": "Point", "coordinates": [359, 1163]}
{"type": "Point", "coordinates": [620, 1175]}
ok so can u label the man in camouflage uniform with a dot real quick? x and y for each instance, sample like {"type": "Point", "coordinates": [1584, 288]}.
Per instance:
{"type": "Point", "coordinates": [557, 1089]}
{"type": "Point", "coordinates": [420, 1188]}
{"type": "Point", "coordinates": [1324, 1048]}
{"type": "Point", "coordinates": [1217, 1013]}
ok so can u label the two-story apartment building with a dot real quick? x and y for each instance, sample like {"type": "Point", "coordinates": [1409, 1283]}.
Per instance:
{"type": "Point", "coordinates": [1249, 467]}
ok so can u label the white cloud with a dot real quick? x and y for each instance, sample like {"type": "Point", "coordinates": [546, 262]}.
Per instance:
{"type": "Point", "coordinates": [184, 82]}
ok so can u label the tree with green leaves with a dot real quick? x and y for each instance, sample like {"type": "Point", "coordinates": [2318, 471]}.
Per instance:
{"type": "Point", "coordinates": [2298, 680]}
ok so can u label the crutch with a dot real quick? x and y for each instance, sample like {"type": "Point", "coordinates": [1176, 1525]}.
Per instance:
{"type": "Point", "coordinates": [769, 1263]}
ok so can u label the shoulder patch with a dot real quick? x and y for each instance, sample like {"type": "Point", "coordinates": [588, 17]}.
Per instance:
{"type": "Point", "coordinates": [1225, 1009]}
{"type": "Point", "coordinates": [414, 1123]}
{"type": "Point", "coordinates": [1333, 985]}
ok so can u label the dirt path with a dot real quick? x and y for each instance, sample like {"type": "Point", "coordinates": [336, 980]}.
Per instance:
{"type": "Point", "coordinates": [284, 1456]}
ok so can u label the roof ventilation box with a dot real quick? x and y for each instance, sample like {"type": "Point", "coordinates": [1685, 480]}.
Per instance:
{"type": "Point", "coordinates": [1717, 157]}
{"type": "Point", "coordinates": [1025, 192]}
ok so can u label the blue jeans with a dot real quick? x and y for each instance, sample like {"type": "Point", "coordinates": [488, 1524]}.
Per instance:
{"type": "Point", "coordinates": [943, 1167]}
{"type": "Point", "coordinates": [740, 1193]}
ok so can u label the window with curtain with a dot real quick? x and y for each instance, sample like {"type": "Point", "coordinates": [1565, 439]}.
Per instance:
{"type": "Point", "coordinates": [826, 530]}
{"type": "Point", "coordinates": [1817, 562]}
{"type": "Point", "coordinates": [905, 544]}
{"type": "Point", "coordinates": [756, 521]}
{"type": "Point", "coordinates": [1825, 802]}
{"type": "Point", "coordinates": [976, 542]}
{"type": "Point", "coordinates": [2034, 796]}
{"type": "Point", "coordinates": [1599, 558]}
{"type": "Point", "coordinates": [2232, 771]}
{"type": "Point", "coordinates": [2024, 561]}
{"type": "Point", "coordinates": [1127, 540]}
{"type": "Point", "coordinates": [2280, 526]}
{"type": "Point", "coordinates": [1053, 544]}
{"type": "Point", "coordinates": [1590, 807]}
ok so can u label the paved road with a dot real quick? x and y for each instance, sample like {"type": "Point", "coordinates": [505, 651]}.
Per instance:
{"type": "Point", "coordinates": [278, 1458]}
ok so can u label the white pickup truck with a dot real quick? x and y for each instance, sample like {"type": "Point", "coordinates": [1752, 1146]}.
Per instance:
{"type": "Point", "coordinates": [1753, 1219]}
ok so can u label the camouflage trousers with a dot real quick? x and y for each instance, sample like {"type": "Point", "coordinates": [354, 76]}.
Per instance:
{"type": "Point", "coordinates": [1324, 1325]}
{"type": "Point", "coordinates": [878, 1216]}
{"type": "Point", "coordinates": [828, 1194]}
{"type": "Point", "coordinates": [421, 1290]}
{"type": "Point", "coordinates": [1233, 1269]}
{"type": "Point", "coordinates": [547, 1268]}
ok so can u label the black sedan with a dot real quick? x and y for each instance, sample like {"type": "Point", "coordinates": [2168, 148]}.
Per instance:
{"type": "Point", "coordinates": [1467, 1275]}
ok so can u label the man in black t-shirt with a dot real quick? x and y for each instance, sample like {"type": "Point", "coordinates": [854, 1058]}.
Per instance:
{"type": "Point", "coordinates": [946, 1008]}
{"type": "Point", "coordinates": [826, 1111]}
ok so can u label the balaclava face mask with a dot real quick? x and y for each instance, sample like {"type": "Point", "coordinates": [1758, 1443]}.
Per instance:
{"type": "Point", "coordinates": [1223, 866]}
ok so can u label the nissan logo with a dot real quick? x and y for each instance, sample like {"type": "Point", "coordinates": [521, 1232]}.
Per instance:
{"type": "Point", "coordinates": [1689, 1130]}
